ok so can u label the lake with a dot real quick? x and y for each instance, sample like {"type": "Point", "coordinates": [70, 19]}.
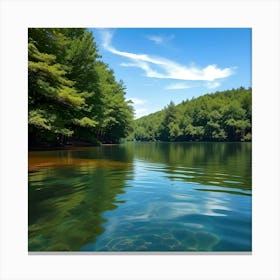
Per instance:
{"type": "Point", "coordinates": [141, 197]}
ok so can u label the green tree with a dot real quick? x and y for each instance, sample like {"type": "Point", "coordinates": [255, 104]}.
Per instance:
{"type": "Point", "coordinates": [221, 116]}
{"type": "Point", "coordinates": [51, 96]}
{"type": "Point", "coordinates": [69, 97]}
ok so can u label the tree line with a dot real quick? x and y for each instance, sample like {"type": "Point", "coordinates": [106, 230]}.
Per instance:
{"type": "Point", "coordinates": [221, 116]}
{"type": "Point", "coordinates": [74, 97]}
{"type": "Point", "coordinates": [72, 94]}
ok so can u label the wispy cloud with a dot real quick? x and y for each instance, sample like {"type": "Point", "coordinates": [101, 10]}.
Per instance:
{"type": "Point", "coordinates": [137, 101]}
{"type": "Point", "coordinates": [212, 85]}
{"type": "Point", "coordinates": [140, 112]}
{"type": "Point", "coordinates": [156, 39]}
{"type": "Point", "coordinates": [177, 86]}
{"type": "Point", "coordinates": [162, 68]}
{"type": "Point", "coordinates": [160, 39]}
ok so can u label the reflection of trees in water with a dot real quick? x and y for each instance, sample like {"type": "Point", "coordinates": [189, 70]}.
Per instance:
{"type": "Point", "coordinates": [67, 198]}
{"type": "Point", "coordinates": [66, 202]}
{"type": "Point", "coordinates": [227, 164]}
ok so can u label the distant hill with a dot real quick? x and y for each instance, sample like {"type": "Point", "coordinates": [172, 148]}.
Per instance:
{"type": "Point", "coordinates": [221, 116]}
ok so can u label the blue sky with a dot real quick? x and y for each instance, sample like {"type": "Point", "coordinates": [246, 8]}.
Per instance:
{"type": "Point", "coordinates": [158, 65]}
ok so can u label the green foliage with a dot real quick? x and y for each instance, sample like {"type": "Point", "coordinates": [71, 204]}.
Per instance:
{"type": "Point", "coordinates": [222, 116]}
{"type": "Point", "coordinates": [72, 94]}
{"type": "Point", "coordinates": [36, 118]}
{"type": "Point", "coordinates": [86, 122]}
{"type": "Point", "coordinates": [116, 114]}
{"type": "Point", "coordinates": [64, 131]}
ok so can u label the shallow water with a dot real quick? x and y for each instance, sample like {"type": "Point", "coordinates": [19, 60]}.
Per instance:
{"type": "Point", "coordinates": [141, 197]}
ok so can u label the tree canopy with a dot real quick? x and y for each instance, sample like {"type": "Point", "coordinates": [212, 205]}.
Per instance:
{"type": "Point", "coordinates": [72, 94]}
{"type": "Point", "coordinates": [221, 116]}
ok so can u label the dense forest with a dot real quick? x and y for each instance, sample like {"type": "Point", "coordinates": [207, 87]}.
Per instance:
{"type": "Point", "coordinates": [73, 95]}
{"type": "Point", "coordinates": [74, 98]}
{"type": "Point", "coordinates": [221, 116]}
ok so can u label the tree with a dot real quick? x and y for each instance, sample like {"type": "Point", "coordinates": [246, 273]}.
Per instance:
{"type": "Point", "coordinates": [51, 95]}
{"type": "Point", "coordinates": [221, 116]}
{"type": "Point", "coordinates": [69, 96]}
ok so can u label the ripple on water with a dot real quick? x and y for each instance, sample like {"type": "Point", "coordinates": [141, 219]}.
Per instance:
{"type": "Point", "coordinates": [172, 240]}
{"type": "Point", "coordinates": [176, 201]}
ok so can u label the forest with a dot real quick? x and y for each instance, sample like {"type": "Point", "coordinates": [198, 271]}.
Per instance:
{"type": "Point", "coordinates": [75, 99]}
{"type": "Point", "coordinates": [73, 96]}
{"type": "Point", "coordinates": [221, 116]}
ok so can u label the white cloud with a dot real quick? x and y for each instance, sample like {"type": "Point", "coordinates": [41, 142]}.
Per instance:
{"type": "Point", "coordinates": [178, 86]}
{"type": "Point", "coordinates": [140, 112]}
{"type": "Point", "coordinates": [165, 68]}
{"type": "Point", "coordinates": [137, 101]}
{"type": "Point", "coordinates": [160, 39]}
{"type": "Point", "coordinates": [156, 39]}
{"type": "Point", "coordinates": [212, 85]}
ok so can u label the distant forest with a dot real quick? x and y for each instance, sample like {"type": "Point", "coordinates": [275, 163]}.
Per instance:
{"type": "Point", "coordinates": [221, 116]}
{"type": "Point", "coordinates": [74, 98]}
{"type": "Point", "coordinates": [72, 94]}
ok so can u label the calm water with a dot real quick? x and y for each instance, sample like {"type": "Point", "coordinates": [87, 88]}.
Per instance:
{"type": "Point", "coordinates": [141, 197]}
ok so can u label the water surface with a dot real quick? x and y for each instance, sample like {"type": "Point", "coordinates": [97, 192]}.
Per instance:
{"type": "Point", "coordinates": [151, 197]}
